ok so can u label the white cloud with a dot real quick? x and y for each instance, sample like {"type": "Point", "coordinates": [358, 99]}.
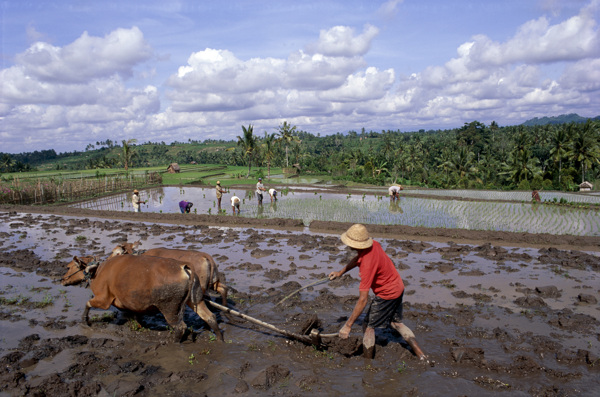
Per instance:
{"type": "Point", "coordinates": [86, 58]}
{"type": "Point", "coordinates": [340, 41]}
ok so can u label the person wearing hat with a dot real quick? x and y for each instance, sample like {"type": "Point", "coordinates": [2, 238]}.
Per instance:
{"type": "Point", "coordinates": [260, 188]}
{"type": "Point", "coordinates": [220, 192]}
{"type": "Point", "coordinates": [394, 191]}
{"type": "Point", "coordinates": [378, 273]}
{"type": "Point", "coordinates": [235, 203]}
{"type": "Point", "coordinates": [136, 201]}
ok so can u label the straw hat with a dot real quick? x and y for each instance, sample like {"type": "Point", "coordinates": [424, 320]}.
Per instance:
{"type": "Point", "coordinates": [218, 182]}
{"type": "Point", "coordinates": [357, 237]}
{"type": "Point", "coordinates": [136, 191]}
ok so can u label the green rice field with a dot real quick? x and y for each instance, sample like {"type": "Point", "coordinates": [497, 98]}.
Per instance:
{"type": "Point", "coordinates": [371, 208]}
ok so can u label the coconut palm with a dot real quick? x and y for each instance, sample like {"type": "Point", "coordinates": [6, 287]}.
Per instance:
{"type": "Point", "coordinates": [269, 150]}
{"type": "Point", "coordinates": [6, 163]}
{"type": "Point", "coordinates": [286, 136]}
{"type": "Point", "coordinates": [585, 148]}
{"type": "Point", "coordinates": [127, 153]}
{"type": "Point", "coordinates": [559, 141]}
{"type": "Point", "coordinates": [248, 143]}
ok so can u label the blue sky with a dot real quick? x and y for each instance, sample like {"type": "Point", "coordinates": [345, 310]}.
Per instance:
{"type": "Point", "coordinates": [75, 72]}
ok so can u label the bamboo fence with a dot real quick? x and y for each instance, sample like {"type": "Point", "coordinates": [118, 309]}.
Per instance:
{"type": "Point", "coordinates": [51, 191]}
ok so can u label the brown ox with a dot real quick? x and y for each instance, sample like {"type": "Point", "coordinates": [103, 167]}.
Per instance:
{"type": "Point", "coordinates": [203, 264]}
{"type": "Point", "coordinates": [143, 284]}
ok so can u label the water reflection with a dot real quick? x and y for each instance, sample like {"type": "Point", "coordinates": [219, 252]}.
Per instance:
{"type": "Point", "coordinates": [395, 207]}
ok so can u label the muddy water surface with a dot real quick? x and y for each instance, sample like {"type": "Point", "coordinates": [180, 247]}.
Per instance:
{"type": "Point", "coordinates": [493, 320]}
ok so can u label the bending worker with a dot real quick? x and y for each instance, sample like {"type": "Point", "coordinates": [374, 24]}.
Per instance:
{"type": "Point", "coordinates": [185, 206]}
{"type": "Point", "coordinates": [273, 194]}
{"type": "Point", "coordinates": [394, 191]}
{"type": "Point", "coordinates": [377, 272]}
{"type": "Point", "coordinates": [235, 203]}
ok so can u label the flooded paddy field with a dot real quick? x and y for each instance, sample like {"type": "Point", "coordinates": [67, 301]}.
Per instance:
{"type": "Point", "coordinates": [493, 318]}
{"type": "Point", "coordinates": [372, 207]}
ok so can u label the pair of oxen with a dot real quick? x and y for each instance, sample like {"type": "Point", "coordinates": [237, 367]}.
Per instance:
{"type": "Point", "coordinates": [160, 279]}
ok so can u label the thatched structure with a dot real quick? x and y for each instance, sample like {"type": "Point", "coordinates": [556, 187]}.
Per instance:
{"type": "Point", "coordinates": [173, 168]}
{"type": "Point", "coordinates": [585, 187]}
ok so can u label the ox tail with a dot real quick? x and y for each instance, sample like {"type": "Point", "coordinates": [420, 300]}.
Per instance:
{"type": "Point", "coordinates": [212, 273]}
{"type": "Point", "coordinates": [195, 292]}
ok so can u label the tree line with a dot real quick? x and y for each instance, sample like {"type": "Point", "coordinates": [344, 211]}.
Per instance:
{"type": "Point", "coordinates": [475, 156]}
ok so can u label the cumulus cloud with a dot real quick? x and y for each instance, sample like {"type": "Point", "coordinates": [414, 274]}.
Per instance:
{"type": "Point", "coordinates": [76, 89]}
{"type": "Point", "coordinates": [216, 79]}
{"type": "Point", "coordinates": [509, 77]}
{"type": "Point", "coordinates": [86, 58]}
{"type": "Point", "coordinates": [340, 41]}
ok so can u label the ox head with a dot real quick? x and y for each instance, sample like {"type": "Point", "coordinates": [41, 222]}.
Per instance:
{"type": "Point", "coordinates": [125, 248]}
{"type": "Point", "coordinates": [77, 269]}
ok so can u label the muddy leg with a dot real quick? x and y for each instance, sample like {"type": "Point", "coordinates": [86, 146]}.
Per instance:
{"type": "Point", "coordinates": [86, 312]}
{"type": "Point", "coordinates": [210, 318]}
{"type": "Point", "coordinates": [369, 343]}
{"type": "Point", "coordinates": [409, 337]}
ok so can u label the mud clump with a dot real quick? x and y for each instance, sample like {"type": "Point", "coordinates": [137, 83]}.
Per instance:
{"type": "Point", "coordinates": [471, 355]}
{"type": "Point", "coordinates": [269, 377]}
{"type": "Point", "coordinates": [530, 302]}
{"type": "Point", "coordinates": [587, 298]}
{"type": "Point", "coordinates": [346, 347]}
{"type": "Point", "coordinates": [550, 291]}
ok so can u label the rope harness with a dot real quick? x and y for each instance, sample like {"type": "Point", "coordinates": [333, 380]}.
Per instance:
{"type": "Point", "coordinates": [87, 276]}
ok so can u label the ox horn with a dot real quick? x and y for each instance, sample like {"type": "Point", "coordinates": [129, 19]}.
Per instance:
{"type": "Point", "coordinates": [92, 265]}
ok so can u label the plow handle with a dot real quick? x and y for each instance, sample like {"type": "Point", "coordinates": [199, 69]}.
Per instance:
{"type": "Point", "coordinates": [292, 335]}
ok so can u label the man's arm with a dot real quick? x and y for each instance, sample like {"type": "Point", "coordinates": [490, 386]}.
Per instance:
{"type": "Point", "coordinates": [358, 309]}
{"type": "Point", "coordinates": [351, 265]}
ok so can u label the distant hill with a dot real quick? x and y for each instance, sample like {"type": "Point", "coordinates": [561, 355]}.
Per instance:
{"type": "Point", "coordinates": [563, 118]}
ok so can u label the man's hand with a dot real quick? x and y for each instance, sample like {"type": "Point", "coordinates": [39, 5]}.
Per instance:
{"type": "Point", "coordinates": [345, 331]}
{"type": "Point", "coordinates": [334, 275]}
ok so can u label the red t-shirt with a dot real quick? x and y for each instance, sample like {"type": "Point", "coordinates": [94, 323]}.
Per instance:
{"type": "Point", "coordinates": [377, 272]}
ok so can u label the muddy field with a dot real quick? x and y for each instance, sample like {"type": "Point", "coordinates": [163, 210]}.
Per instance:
{"type": "Point", "coordinates": [496, 313]}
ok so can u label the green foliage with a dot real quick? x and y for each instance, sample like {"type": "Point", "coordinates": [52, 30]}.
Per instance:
{"type": "Point", "coordinates": [471, 156]}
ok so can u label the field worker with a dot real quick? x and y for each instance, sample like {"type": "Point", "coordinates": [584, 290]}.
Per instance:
{"type": "Point", "coordinates": [377, 272]}
{"type": "Point", "coordinates": [535, 195]}
{"type": "Point", "coordinates": [273, 194]}
{"type": "Point", "coordinates": [394, 191]}
{"type": "Point", "coordinates": [220, 192]}
{"type": "Point", "coordinates": [260, 188]}
{"type": "Point", "coordinates": [235, 203]}
{"type": "Point", "coordinates": [185, 206]}
{"type": "Point", "coordinates": [136, 201]}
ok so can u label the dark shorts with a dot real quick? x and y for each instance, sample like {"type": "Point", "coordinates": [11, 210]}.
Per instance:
{"type": "Point", "coordinates": [260, 196]}
{"type": "Point", "coordinates": [382, 312]}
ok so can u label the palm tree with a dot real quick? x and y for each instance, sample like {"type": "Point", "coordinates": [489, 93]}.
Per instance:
{"type": "Point", "coordinates": [461, 163]}
{"type": "Point", "coordinates": [286, 135]}
{"type": "Point", "coordinates": [559, 142]}
{"type": "Point", "coordinates": [6, 163]}
{"type": "Point", "coordinates": [585, 149]}
{"type": "Point", "coordinates": [269, 150]}
{"type": "Point", "coordinates": [127, 153]}
{"type": "Point", "coordinates": [522, 166]}
{"type": "Point", "coordinates": [248, 143]}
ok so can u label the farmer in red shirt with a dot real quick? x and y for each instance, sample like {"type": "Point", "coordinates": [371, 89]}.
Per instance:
{"type": "Point", "coordinates": [377, 272]}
